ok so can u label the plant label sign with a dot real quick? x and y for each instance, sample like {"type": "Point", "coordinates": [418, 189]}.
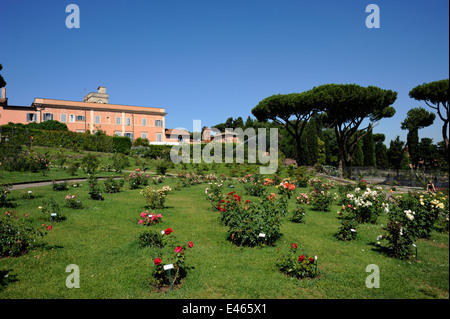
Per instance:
{"type": "Point", "coordinates": [168, 267]}
{"type": "Point", "coordinates": [53, 214]}
{"type": "Point", "coordinates": [262, 235]}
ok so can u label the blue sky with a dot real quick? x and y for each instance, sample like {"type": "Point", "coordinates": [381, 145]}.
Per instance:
{"type": "Point", "coordinates": [213, 59]}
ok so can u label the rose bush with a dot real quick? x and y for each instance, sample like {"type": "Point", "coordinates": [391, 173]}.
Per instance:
{"type": "Point", "coordinates": [320, 196]}
{"type": "Point", "coordinates": [175, 256]}
{"type": "Point", "coordinates": [18, 235]}
{"type": "Point", "coordinates": [73, 202]}
{"type": "Point", "coordinates": [148, 219]}
{"type": "Point", "coordinates": [296, 264]}
{"type": "Point", "coordinates": [247, 220]}
{"type": "Point", "coordinates": [365, 205]}
{"type": "Point", "coordinates": [428, 209]}
{"type": "Point", "coordinates": [155, 198]}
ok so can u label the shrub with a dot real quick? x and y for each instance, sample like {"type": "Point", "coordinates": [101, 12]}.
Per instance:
{"type": "Point", "coordinates": [22, 161]}
{"type": "Point", "coordinates": [365, 206]}
{"type": "Point", "coordinates": [59, 186]}
{"type": "Point", "coordinates": [141, 142]}
{"type": "Point", "coordinates": [296, 264]}
{"type": "Point", "coordinates": [347, 231]}
{"type": "Point", "coordinates": [158, 179]}
{"type": "Point", "coordinates": [399, 233]}
{"type": "Point", "coordinates": [72, 168]}
{"type": "Point", "coordinates": [320, 197]}
{"type": "Point", "coordinates": [155, 198]}
{"type": "Point", "coordinates": [301, 180]}
{"type": "Point", "coordinates": [177, 257]}
{"type": "Point", "coordinates": [28, 195]}
{"type": "Point", "coordinates": [427, 208]}
{"type": "Point", "coordinates": [94, 190]}
{"type": "Point", "coordinates": [254, 188]}
{"type": "Point", "coordinates": [17, 235]}
{"type": "Point", "coordinates": [162, 166]}
{"type": "Point", "coordinates": [214, 193]}
{"type": "Point", "coordinates": [303, 198]}
{"type": "Point", "coordinates": [136, 179]}
{"type": "Point", "coordinates": [50, 208]}
{"type": "Point", "coordinates": [251, 224]}
{"type": "Point", "coordinates": [73, 202]}
{"type": "Point", "coordinates": [50, 125]}
{"type": "Point", "coordinates": [150, 219]}
{"type": "Point", "coordinates": [119, 162]}
{"type": "Point", "coordinates": [90, 163]}
{"type": "Point", "coordinates": [4, 191]}
{"type": "Point", "coordinates": [122, 144]}
{"type": "Point", "coordinates": [298, 215]}
{"type": "Point", "coordinates": [286, 188]}
{"type": "Point", "coordinates": [113, 185]}
{"type": "Point", "coordinates": [150, 238]}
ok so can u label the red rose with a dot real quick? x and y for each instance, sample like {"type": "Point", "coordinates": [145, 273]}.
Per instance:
{"type": "Point", "coordinates": [301, 258]}
{"type": "Point", "coordinates": [311, 260]}
{"type": "Point", "coordinates": [157, 261]}
{"type": "Point", "coordinates": [190, 244]}
{"type": "Point", "coordinates": [178, 249]}
{"type": "Point", "coordinates": [294, 246]}
{"type": "Point", "coordinates": [168, 231]}
{"type": "Point", "coordinates": [50, 227]}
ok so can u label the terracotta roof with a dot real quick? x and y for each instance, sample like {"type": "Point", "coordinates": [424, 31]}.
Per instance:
{"type": "Point", "coordinates": [89, 105]}
{"type": "Point", "coordinates": [176, 131]}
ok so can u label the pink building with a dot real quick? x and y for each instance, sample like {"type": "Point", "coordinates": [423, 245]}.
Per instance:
{"type": "Point", "coordinates": [93, 114]}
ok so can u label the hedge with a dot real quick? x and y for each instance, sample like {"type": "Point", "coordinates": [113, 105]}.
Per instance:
{"type": "Point", "coordinates": [66, 139]}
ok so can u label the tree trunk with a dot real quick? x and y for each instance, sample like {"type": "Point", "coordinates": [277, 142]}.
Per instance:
{"type": "Point", "coordinates": [348, 166]}
{"type": "Point", "coordinates": [299, 146]}
{"type": "Point", "coordinates": [444, 135]}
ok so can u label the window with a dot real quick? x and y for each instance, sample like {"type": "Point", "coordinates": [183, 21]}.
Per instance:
{"type": "Point", "coordinates": [63, 118]}
{"type": "Point", "coordinates": [143, 135]}
{"type": "Point", "coordinates": [130, 135]}
{"type": "Point", "coordinates": [127, 121]}
{"type": "Point", "coordinates": [158, 137]}
{"type": "Point", "coordinates": [31, 117]}
{"type": "Point", "coordinates": [97, 119]}
{"type": "Point", "coordinates": [118, 133]}
{"type": "Point", "coordinates": [71, 118]}
{"type": "Point", "coordinates": [80, 118]}
{"type": "Point", "coordinates": [144, 122]}
{"type": "Point", "coordinates": [48, 117]}
{"type": "Point", "coordinates": [158, 123]}
{"type": "Point", "coordinates": [117, 120]}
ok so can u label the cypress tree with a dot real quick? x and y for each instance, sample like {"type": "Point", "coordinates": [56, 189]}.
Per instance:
{"type": "Point", "coordinates": [369, 149]}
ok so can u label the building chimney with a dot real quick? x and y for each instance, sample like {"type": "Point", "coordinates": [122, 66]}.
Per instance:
{"type": "Point", "coordinates": [3, 93]}
{"type": "Point", "coordinates": [101, 89]}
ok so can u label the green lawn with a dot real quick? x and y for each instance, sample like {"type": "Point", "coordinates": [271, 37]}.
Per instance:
{"type": "Point", "coordinates": [102, 239]}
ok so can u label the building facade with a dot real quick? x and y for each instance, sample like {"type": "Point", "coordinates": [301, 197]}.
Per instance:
{"type": "Point", "coordinates": [93, 114]}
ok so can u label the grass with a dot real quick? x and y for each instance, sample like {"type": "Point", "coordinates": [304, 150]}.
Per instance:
{"type": "Point", "coordinates": [102, 240]}
{"type": "Point", "coordinates": [106, 169]}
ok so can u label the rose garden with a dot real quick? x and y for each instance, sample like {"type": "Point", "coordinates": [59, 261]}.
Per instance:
{"type": "Point", "coordinates": [228, 232]}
